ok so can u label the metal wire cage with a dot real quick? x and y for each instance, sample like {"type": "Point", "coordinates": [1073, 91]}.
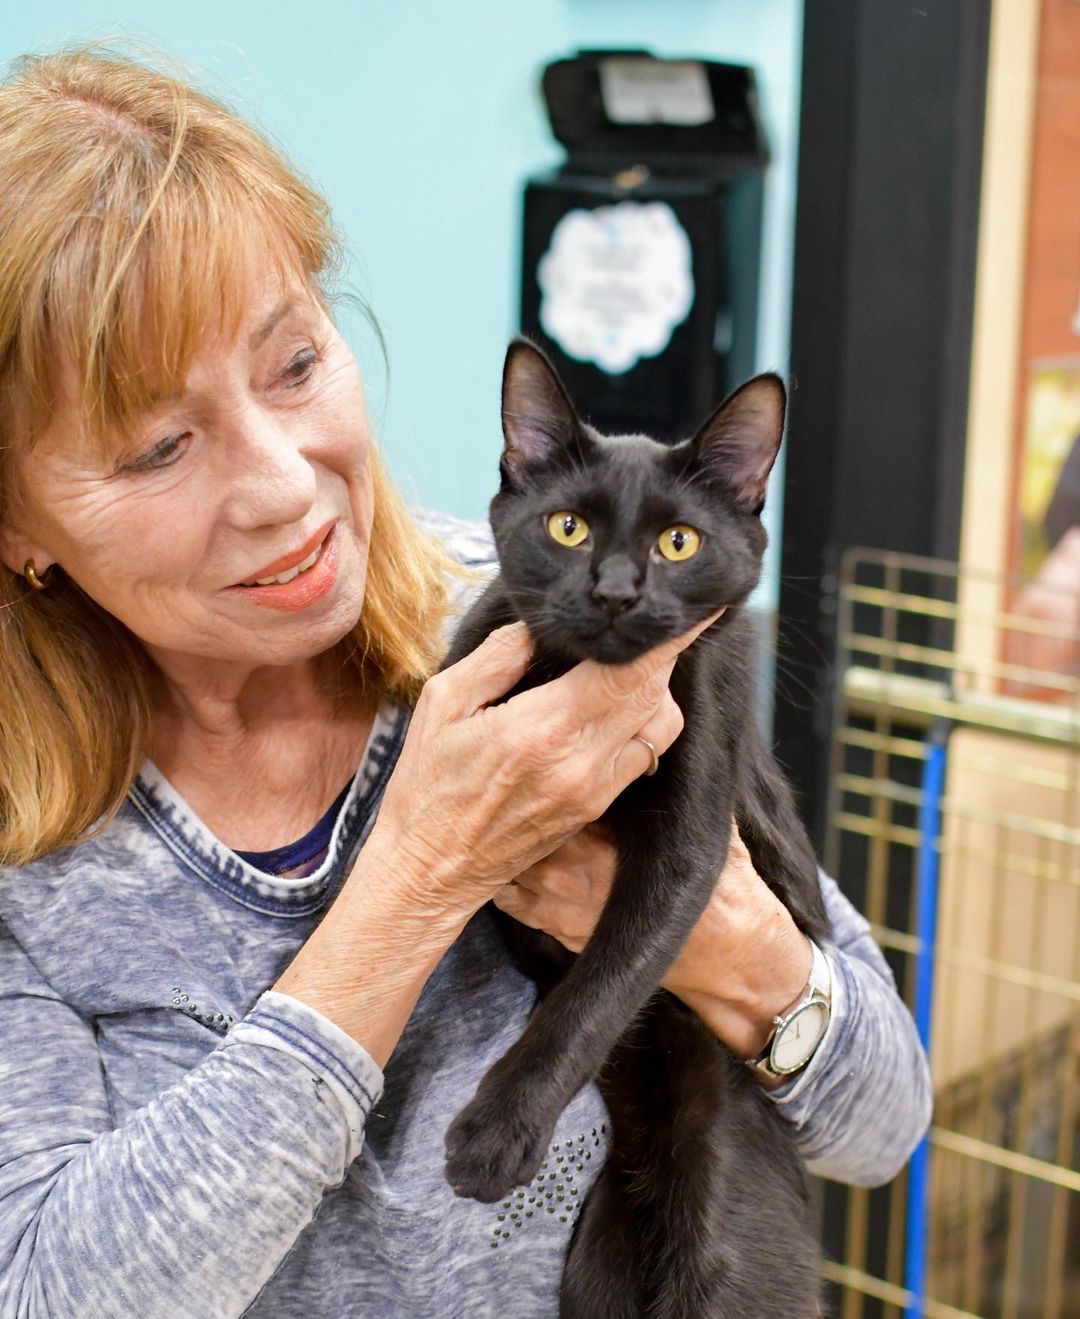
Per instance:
{"type": "Point", "coordinates": [954, 825]}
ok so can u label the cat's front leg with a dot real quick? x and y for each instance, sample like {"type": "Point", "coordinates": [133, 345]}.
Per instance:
{"type": "Point", "coordinates": [500, 1138]}
{"type": "Point", "coordinates": [498, 1141]}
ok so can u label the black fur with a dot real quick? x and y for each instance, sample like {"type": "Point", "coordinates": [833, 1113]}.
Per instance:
{"type": "Point", "coordinates": [700, 1210]}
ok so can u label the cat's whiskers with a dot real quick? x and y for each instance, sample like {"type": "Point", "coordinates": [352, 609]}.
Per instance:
{"type": "Point", "coordinates": [794, 637]}
{"type": "Point", "coordinates": [813, 701]}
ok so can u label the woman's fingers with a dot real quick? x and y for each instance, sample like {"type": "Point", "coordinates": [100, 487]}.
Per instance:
{"type": "Point", "coordinates": [564, 893]}
{"type": "Point", "coordinates": [594, 690]}
{"type": "Point", "coordinates": [482, 791]}
{"type": "Point", "coordinates": [485, 674]}
{"type": "Point", "coordinates": [571, 926]}
{"type": "Point", "coordinates": [635, 759]}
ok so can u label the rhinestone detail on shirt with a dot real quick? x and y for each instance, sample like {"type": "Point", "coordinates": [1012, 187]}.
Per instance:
{"type": "Point", "coordinates": [216, 1021]}
{"type": "Point", "coordinates": [553, 1190]}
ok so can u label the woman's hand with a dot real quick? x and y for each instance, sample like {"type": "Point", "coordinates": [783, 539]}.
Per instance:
{"type": "Point", "coordinates": [744, 962]}
{"type": "Point", "coordinates": [481, 792]}
{"type": "Point", "coordinates": [564, 893]}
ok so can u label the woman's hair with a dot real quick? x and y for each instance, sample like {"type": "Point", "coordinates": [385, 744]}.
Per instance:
{"type": "Point", "coordinates": [128, 203]}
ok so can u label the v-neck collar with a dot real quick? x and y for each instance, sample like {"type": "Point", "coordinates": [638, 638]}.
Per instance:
{"type": "Point", "coordinates": [171, 816]}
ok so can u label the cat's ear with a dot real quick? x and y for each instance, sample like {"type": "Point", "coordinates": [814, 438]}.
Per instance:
{"type": "Point", "coordinates": [538, 418]}
{"type": "Point", "coordinates": [739, 443]}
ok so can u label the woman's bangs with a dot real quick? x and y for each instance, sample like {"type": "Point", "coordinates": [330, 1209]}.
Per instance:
{"type": "Point", "coordinates": [188, 282]}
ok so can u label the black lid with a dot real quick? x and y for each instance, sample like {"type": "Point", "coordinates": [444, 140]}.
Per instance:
{"type": "Point", "coordinates": [615, 108]}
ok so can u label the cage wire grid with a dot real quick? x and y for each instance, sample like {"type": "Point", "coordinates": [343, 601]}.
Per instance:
{"type": "Point", "coordinates": [971, 884]}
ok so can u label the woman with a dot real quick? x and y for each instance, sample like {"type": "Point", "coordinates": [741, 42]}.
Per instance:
{"type": "Point", "coordinates": [238, 1011]}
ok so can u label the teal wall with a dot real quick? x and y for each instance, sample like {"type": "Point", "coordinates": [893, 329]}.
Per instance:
{"type": "Point", "coordinates": [420, 119]}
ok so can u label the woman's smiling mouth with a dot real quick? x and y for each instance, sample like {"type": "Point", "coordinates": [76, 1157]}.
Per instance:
{"type": "Point", "coordinates": [289, 573]}
{"type": "Point", "coordinates": [286, 567]}
{"type": "Point", "coordinates": [300, 583]}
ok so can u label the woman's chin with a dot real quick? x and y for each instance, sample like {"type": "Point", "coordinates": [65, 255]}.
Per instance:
{"type": "Point", "coordinates": [243, 634]}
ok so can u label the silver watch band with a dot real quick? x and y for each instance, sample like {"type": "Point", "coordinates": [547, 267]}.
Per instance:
{"type": "Point", "coordinates": [818, 991]}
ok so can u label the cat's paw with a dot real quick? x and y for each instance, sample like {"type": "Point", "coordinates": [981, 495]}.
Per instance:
{"type": "Point", "coordinates": [491, 1148]}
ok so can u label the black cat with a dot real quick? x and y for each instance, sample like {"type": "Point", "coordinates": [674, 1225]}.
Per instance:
{"type": "Point", "coordinates": [607, 547]}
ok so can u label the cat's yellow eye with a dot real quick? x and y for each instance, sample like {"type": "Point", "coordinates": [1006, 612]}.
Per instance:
{"type": "Point", "coordinates": [567, 528]}
{"type": "Point", "coordinates": [678, 543]}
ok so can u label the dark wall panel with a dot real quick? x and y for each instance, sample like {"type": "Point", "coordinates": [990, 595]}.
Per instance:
{"type": "Point", "coordinates": [891, 132]}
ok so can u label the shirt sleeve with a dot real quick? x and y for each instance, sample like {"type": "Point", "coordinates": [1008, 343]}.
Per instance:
{"type": "Point", "coordinates": [864, 1101]}
{"type": "Point", "coordinates": [187, 1207]}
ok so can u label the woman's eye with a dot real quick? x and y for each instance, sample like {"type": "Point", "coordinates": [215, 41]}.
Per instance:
{"type": "Point", "coordinates": [163, 454]}
{"type": "Point", "coordinates": [300, 368]}
{"type": "Point", "coordinates": [678, 543]}
{"type": "Point", "coordinates": [567, 528]}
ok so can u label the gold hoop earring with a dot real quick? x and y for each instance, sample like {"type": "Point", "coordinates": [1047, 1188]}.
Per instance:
{"type": "Point", "coordinates": [38, 583]}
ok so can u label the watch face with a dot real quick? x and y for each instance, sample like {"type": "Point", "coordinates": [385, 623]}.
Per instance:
{"type": "Point", "coordinates": [796, 1041]}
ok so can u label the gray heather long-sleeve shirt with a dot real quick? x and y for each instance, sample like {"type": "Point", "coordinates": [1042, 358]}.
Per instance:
{"type": "Point", "coordinates": [178, 1142]}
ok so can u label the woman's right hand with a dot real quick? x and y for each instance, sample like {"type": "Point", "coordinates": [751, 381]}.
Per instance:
{"type": "Point", "coordinates": [482, 791]}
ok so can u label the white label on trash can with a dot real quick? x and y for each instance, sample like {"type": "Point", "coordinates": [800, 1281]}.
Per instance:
{"type": "Point", "coordinates": [615, 283]}
{"type": "Point", "coordinates": [641, 91]}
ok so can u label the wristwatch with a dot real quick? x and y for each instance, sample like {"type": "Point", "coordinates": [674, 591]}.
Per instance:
{"type": "Point", "coordinates": [798, 1031]}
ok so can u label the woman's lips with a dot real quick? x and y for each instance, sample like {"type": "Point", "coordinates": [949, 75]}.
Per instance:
{"type": "Point", "coordinates": [288, 561]}
{"type": "Point", "coordinates": [306, 589]}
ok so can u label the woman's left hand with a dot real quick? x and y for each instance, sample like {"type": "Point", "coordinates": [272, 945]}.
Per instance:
{"type": "Point", "coordinates": [744, 962]}
{"type": "Point", "coordinates": [564, 894]}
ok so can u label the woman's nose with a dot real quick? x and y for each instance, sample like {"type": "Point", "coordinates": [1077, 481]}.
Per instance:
{"type": "Point", "coordinates": [270, 478]}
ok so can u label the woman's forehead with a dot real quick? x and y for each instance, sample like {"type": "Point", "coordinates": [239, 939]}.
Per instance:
{"type": "Point", "coordinates": [274, 300]}
{"type": "Point", "coordinates": [274, 296]}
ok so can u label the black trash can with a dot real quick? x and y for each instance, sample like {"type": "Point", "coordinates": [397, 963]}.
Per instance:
{"type": "Point", "coordinates": [642, 251]}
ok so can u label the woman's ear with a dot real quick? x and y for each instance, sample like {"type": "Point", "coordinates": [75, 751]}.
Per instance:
{"type": "Point", "coordinates": [16, 548]}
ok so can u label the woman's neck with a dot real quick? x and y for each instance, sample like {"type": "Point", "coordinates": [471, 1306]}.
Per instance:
{"type": "Point", "coordinates": [260, 756]}
{"type": "Point", "coordinates": [223, 703]}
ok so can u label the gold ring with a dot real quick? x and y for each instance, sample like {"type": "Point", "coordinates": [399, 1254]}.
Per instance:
{"type": "Point", "coordinates": [652, 752]}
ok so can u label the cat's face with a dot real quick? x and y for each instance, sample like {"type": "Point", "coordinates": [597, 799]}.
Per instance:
{"type": "Point", "coordinates": [610, 545]}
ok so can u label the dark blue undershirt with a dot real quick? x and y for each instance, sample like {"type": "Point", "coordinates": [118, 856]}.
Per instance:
{"type": "Point", "coordinates": [307, 853]}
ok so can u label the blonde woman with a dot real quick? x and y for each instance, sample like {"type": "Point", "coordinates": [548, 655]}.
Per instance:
{"type": "Point", "coordinates": [238, 1011]}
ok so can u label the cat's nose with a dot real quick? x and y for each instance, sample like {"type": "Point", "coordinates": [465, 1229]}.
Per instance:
{"type": "Point", "coordinates": [615, 602]}
{"type": "Point", "coordinates": [616, 585]}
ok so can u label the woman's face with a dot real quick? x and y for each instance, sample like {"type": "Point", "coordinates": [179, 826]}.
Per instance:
{"type": "Point", "coordinates": [262, 462]}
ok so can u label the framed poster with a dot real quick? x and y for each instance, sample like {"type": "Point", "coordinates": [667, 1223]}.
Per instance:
{"type": "Point", "coordinates": [1049, 492]}
{"type": "Point", "coordinates": [1044, 531]}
